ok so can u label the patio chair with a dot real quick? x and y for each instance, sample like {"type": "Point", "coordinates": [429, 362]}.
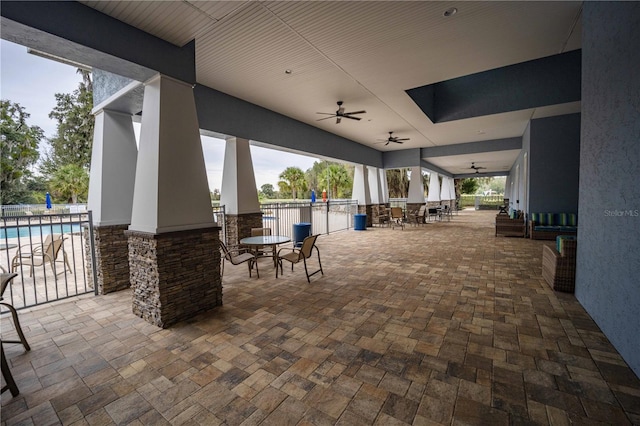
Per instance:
{"type": "Point", "coordinates": [6, 279]}
{"type": "Point", "coordinates": [237, 256]}
{"type": "Point", "coordinates": [42, 254]}
{"type": "Point", "coordinates": [380, 217]}
{"type": "Point", "coordinates": [261, 251]}
{"type": "Point", "coordinates": [419, 216]}
{"type": "Point", "coordinates": [303, 253]}
{"type": "Point", "coordinates": [397, 217]}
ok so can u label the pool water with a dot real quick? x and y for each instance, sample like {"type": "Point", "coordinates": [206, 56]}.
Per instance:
{"type": "Point", "coordinates": [37, 230]}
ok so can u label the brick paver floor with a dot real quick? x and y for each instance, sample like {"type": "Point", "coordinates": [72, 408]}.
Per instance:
{"type": "Point", "coordinates": [438, 324]}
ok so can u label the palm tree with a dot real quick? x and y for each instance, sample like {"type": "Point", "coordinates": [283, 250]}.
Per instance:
{"type": "Point", "coordinates": [70, 181]}
{"type": "Point", "coordinates": [293, 179]}
{"type": "Point", "coordinates": [338, 178]}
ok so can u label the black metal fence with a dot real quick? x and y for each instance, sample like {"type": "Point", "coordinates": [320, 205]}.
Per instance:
{"type": "Point", "coordinates": [50, 253]}
{"type": "Point", "coordinates": [324, 217]}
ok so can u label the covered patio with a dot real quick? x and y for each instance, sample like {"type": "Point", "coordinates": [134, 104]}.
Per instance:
{"type": "Point", "coordinates": [436, 324]}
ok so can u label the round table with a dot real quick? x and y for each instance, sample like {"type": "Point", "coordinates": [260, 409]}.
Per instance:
{"type": "Point", "coordinates": [266, 240]}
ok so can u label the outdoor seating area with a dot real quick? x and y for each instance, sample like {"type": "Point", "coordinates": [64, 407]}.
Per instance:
{"type": "Point", "coordinates": [559, 263]}
{"type": "Point", "coordinates": [547, 226]}
{"type": "Point", "coordinates": [465, 334]}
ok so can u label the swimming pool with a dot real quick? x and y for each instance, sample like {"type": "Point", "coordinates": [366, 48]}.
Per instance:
{"type": "Point", "coordinates": [36, 230]}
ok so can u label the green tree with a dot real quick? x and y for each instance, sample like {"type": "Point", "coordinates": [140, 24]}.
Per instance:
{"type": "Point", "coordinates": [268, 191]}
{"type": "Point", "coordinates": [339, 179]}
{"type": "Point", "coordinates": [74, 137]}
{"type": "Point", "coordinates": [70, 183]}
{"type": "Point", "coordinates": [468, 186]}
{"type": "Point", "coordinates": [292, 181]}
{"type": "Point", "coordinates": [398, 183]}
{"type": "Point", "coordinates": [19, 148]}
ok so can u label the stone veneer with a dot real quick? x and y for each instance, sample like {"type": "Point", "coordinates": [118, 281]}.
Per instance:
{"type": "Point", "coordinates": [112, 258]}
{"type": "Point", "coordinates": [175, 276]}
{"type": "Point", "coordinates": [239, 226]}
{"type": "Point", "coordinates": [368, 210]}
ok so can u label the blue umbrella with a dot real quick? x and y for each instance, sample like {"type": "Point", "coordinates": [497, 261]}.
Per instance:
{"type": "Point", "coordinates": [48, 201]}
{"type": "Point", "coordinates": [313, 195]}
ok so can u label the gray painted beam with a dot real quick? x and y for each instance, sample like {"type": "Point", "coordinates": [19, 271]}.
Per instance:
{"type": "Point", "coordinates": [222, 113]}
{"type": "Point", "coordinates": [480, 175]}
{"type": "Point", "coordinates": [74, 31]}
{"type": "Point", "coordinates": [472, 147]}
{"type": "Point", "coordinates": [401, 158]}
{"type": "Point", "coordinates": [432, 167]}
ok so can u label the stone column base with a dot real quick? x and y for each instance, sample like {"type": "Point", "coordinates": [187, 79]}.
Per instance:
{"type": "Point", "coordinates": [175, 276]}
{"type": "Point", "coordinates": [368, 210]}
{"type": "Point", "coordinates": [239, 226]}
{"type": "Point", "coordinates": [112, 258]}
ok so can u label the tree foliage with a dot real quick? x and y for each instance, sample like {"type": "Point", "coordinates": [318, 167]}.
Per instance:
{"type": "Point", "coordinates": [19, 147]}
{"type": "Point", "coordinates": [268, 191]}
{"type": "Point", "coordinates": [73, 140]}
{"type": "Point", "coordinates": [292, 181]}
{"type": "Point", "coordinates": [70, 183]}
{"type": "Point", "coordinates": [398, 183]}
{"type": "Point", "coordinates": [468, 186]}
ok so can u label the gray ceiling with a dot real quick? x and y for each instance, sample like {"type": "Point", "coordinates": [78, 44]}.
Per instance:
{"type": "Point", "coordinates": [366, 54]}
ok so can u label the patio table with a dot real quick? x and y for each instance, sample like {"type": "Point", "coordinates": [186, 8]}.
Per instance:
{"type": "Point", "coordinates": [266, 240]}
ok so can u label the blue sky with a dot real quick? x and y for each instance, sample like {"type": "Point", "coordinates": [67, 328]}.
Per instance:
{"type": "Point", "coordinates": [33, 82]}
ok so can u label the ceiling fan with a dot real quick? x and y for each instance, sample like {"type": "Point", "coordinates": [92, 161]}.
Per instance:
{"type": "Point", "coordinates": [393, 139]}
{"type": "Point", "coordinates": [339, 114]}
{"type": "Point", "coordinates": [476, 168]}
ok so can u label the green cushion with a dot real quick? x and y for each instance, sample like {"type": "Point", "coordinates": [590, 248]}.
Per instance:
{"type": "Point", "coordinates": [560, 239]}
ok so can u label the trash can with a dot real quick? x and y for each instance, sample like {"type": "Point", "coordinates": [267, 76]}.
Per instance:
{"type": "Point", "coordinates": [300, 232]}
{"type": "Point", "coordinates": [359, 222]}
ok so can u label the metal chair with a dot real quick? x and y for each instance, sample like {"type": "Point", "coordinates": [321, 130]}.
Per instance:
{"type": "Point", "coordinates": [397, 217]}
{"type": "Point", "coordinates": [300, 254]}
{"type": "Point", "coordinates": [262, 251]}
{"type": "Point", "coordinates": [239, 255]}
{"type": "Point", "coordinates": [6, 280]}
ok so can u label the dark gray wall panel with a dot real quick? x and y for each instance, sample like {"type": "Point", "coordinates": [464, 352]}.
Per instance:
{"type": "Point", "coordinates": [554, 162]}
{"type": "Point", "coordinates": [609, 222]}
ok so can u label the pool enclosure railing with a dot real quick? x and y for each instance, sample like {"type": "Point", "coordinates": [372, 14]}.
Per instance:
{"type": "Point", "coordinates": [324, 216]}
{"type": "Point", "coordinates": [12, 210]}
{"type": "Point", "coordinates": [46, 274]}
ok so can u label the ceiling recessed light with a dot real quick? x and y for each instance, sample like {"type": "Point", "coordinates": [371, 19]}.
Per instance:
{"type": "Point", "coordinates": [288, 71]}
{"type": "Point", "coordinates": [450, 12]}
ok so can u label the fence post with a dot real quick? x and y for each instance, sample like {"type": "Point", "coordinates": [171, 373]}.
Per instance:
{"type": "Point", "coordinates": [94, 269]}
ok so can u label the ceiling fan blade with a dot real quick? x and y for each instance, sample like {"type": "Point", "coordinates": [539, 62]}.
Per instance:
{"type": "Point", "coordinates": [326, 113]}
{"type": "Point", "coordinates": [351, 118]}
{"type": "Point", "coordinates": [355, 112]}
{"type": "Point", "coordinates": [325, 118]}
{"type": "Point", "coordinates": [403, 139]}
{"type": "Point", "coordinates": [338, 119]}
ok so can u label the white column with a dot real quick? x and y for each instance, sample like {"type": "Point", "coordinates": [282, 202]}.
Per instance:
{"type": "Point", "coordinates": [375, 187]}
{"type": "Point", "coordinates": [416, 187]}
{"type": "Point", "coordinates": [238, 194]}
{"type": "Point", "coordinates": [113, 168]}
{"type": "Point", "coordinates": [384, 186]}
{"type": "Point", "coordinates": [171, 189]}
{"type": "Point", "coordinates": [361, 185]}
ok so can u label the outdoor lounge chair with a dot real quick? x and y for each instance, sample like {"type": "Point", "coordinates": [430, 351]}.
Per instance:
{"type": "Point", "coordinates": [41, 254]}
{"type": "Point", "coordinates": [238, 255]}
{"type": "Point", "coordinates": [303, 253]}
